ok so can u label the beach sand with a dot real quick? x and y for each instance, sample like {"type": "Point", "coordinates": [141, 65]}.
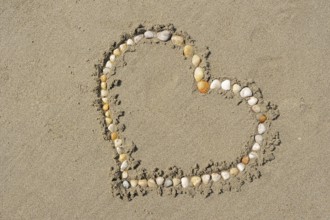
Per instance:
{"type": "Point", "coordinates": [55, 163]}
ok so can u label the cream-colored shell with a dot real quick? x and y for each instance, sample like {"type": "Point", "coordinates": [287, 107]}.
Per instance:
{"type": "Point", "coordinates": [196, 60]}
{"type": "Point", "coordinates": [198, 74]}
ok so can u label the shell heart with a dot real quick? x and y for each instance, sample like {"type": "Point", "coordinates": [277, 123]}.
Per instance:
{"type": "Point", "coordinates": [127, 182]}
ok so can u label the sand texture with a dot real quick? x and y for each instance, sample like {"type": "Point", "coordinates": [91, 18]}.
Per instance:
{"type": "Point", "coordinates": [56, 162]}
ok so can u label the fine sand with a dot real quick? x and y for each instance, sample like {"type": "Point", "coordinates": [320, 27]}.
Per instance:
{"type": "Point", "coordinates": [55, 163]}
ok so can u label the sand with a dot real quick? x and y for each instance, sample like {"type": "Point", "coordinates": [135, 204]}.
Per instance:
{"type": "Point", "coordinates": [55, 163]}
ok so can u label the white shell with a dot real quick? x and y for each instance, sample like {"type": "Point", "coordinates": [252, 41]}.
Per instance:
{"type": "Point", "coordinates": [261, 128]}
{"type": "Point", "coordinates": [184, 182]}
{"type": "Point", "coordinates": [133, 183]}
{"type": "Point", "coordinates": [149, 34]}
{"type": "Point", "coordinates": [215, 84]}
{"type": "Point", "coordinates": [106, 70]}
{"type": "Point", "coordinates": [206, 178]}
{"type": "Point", "coordinates": [112, 58]}
{"type": "Point", "coordinates": [196, 60]}
{"type": "Point", "coordinates": [199, 74]}
{"type": "Point", "coordinates": [225, 175]}
{"type": "Point", "coordinates": [124, 175]}
{"type": "Point", "coordinates": [252, 101]}
{"type": "Point", "coordinates": [123, 47]}
{"type": "Point", "coordinates": [164, 35]}
{"type": "Point", "coordinates": [215, 177]}
{"type": "Point", "coordinates": [168, 183]}
{"type": "Point", "coordinates": [196, 180]}
{"type": "Point", "coordinates": [177, 40]}
{"type": "Point", "coordinates": [124, 165]}
{"type": "Point", "coordinates": [246, 92]}
{"type": "Point", "coordinates": [258, 138]}
{"type": "Point", "coordinates": [256, 108]}
{"type": "Point", "coordinates": [256, 147]}
{"type": "Point", "coordinates": [225, 85]}
{"type": "Point", "coordinates": [176, 181]}
{"type": "Point", "coordinates": [108, 64]}
{"type": "Point", "coordinates": [112, 128]}
{"type": "Point", "coordinates": [137, 38]}
{"type": "Point", "coordinates": [120, 150]}
{"type": "Point", "coordinates": [241, 167]}
{"type": "Point", "coordinates": [104, 93]}
{"type": "Point", "coordinates": [105, 100]}
{"type": "Point", "coordinates": [130, 42]}
{"type": "Point", "coordinates": [236, 88]}
{"type": "Point", "coordinates": [160, 180]}
{"type": "Point", "coordinates": [118, 142]}
{"type": "Point", "coordinates": [253, 155]}
{"type": "Point", "coordinates": [126, 184]}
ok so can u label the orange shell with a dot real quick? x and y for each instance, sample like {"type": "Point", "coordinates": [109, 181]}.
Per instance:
{"type": "Point", "coordinates": [203, 86]}
{"type": "Point", "coordinates": [245, 160]}
{"type": "Point", "coordinates": [114, 136]}
{"type": "Point", "coordinates": [262, 118]}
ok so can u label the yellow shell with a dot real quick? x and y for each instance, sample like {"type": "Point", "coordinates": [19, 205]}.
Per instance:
{"type": "Point", "coordinates": [103, 78]}
{"type": "Point", "coordinates": [203, 86]}
{"type": "Point", "coordinates": [116, 52]}
{"type": "Point", "coordinates": [188, 51]}
{"type": "Point", "coordinates": [105, 107]}
{"type": "Point", "coordinates": [245, 160]}
{"type": "Point", "coordinates": [114, 135]}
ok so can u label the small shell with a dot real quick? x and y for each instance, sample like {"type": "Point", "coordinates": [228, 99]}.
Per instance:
{"type": "Point", "coordinates": [118, 142]}
{"type": "Point", "coordinates": [124, 165]}
{"type": "Point", "coordinates": [114, 135]}
{"type": "Point", "coordinates": [103, 78]}
{"type": "Point", "coordinates": [151, 183]}
{"type": "Point", "coordinates": [123, 48]}
{"type": "Point", "coordinates": [126, 184]}
{"type": "Point", "coordinates": [256, 147]}
{"type": "Point", "coordinates": [105, 107]}
{"type": "Point", "coordinates": [236, 88]}
{"type": "Point", "coordinates": [253, 155]}
{"type": "Point", "coordinates": [225, 85]}
{"type": "Point", "coordinates": [130, 42]}
{"type": "Point", "coordinates": [206, 178]}
{"type": "Point", "coordinates": [261, 128]}
{"type": "Point", "coordinates": [225, 175]}
{"type": "Point", "coordinates": [184, 182]}
{"type": "Point", "coordinates": [203, 86]}
{"type": "Point", "coordinates": [196, 60]}
{"type": "Point", "coordinates": [117, 52]}
{"type": "Point", "coordinates": [122, 157]}
{"type": "Point", "coordinates": [164, 35]}
{"type": "Point", "coordinates": [256, 108]}
{"type": "Point", "coordinates": [149, 34]}
{"type": "Point", "coordinates": [215, 84]}
{"type": "Point", "coordinates": [112, 128]}
{"type": "Point", "coordinates": [234, 171]}
{"type": "Point", "coordinates": [103, 85]}
{"type": "Point", "coordinates": [108, 64]}
{"type": "Point", "coordinates": [215, 177]}
{"type": "Point", "coordinates": [160, 180]}
{"type": "Point", "coordinates": [258, 138]}
{"type": "Point", "coordinates": [245, 160]}
{"type": "Point", "coordinates": [262, 118]}
{"type": "Point", "coordinates": [137, 38]}
{"type": "Point", "coordinates": [133, 183]}
{"type": "Point", "coordinates": [143, 183]}
{"type": "Point", "coordinates": [107, 114]}
{"type": "Point", "coordinates": [105, 100]}
{"type": "Point", "coordinates": [112, 58]}
{"type": "Point", "coordinates": [106, 70]}
{"type": "Point", "coordinates": [168, 183]}
{"type": "Point", "coordinates": [252, 101]}
{"type": "Point", "coordinates": [245, 92]}
{"type": "Point", "coordinates": [108, 120]}
{"type": "Point", "coordinates": [188, 51]}
{"type": "Point", "coordinates": [120, 150]}
{"type": "Point", "coordinates": [176, 181]}
{"type": "Point", "coordinates": [241, 167]}
{"type": "Point", "coordinates": [198, 74]}
{"type": "Point", "coordinates": [196, 181]}
{"type": "Point", "coordinates": [124, 174]}
{"type": "Point", "coordinates": [177, 40]}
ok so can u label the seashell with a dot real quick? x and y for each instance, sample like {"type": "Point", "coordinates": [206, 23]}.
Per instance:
{"type": "Point", "coordinates": [196, 181]}
{"type": "Point", "coordinates": [103, 85]}
{"type": "Point", "coordinates": [123, 48]}
{"type": "Point", "coordinates": [130, 42]}
{"type": "Point", "coordinates": [114, 135]}
{"type": "Point", "coordinates": [245, 92]}
{"type": "Point", "coordinates": [184, 182]}
{"type": "Point", "coordinates": [262, 118]}
{"type": "Point", "coordinates": [108, 64]}
{"type": "Point", "coordinates": [124, 165]}
{"type": "Point", "coordinates": [103, 78]}
{"type": "Point", "coordinates": [118, 142]}
{"type": "Point", "coordinates": [253, 155]}
{"type": "Point", "coordinates": [196, 60]}
{"type": "Point", "coordinates": [261, 128]}
{"type": "Point", "coordinates": [177, 40]}
{"type": "Point", "coordinates": [112, 128]}
{"type": "Point", "coordinates": [106, 70]}
{"type": "Point", "coordinates": [126, 184]}
{"type": "Point", "coordinates": [215, 177]}
{"type": "Point", "coordinates": [198, 74]}
{"type": "Point", "coordinates": [137, 38]}
{"type": "Point", "coordinates": [164, 35]}
{"type": "Point", "coordinates": [120, 150]}
{"type": "Point", "coordinates": [176, 181]}
{"type": "Point", "coordinates": [108, 120]}
{"type": "Point", "coordinates": [124, 174]}
{"type": "Point", "coordinates": [107, 114]}
{"type": "Point", "coordinates": [215, 84]}
{"type": "Point", "coordinates": [203, 86]}
{"type": "Point", "coordinates": [225, 175]}
{"type": "Point", "coordinates": [149, 34]}
{"type": "Point", "coordinates": [117, 52]}
{"type": "Point", "coordinates": [160, 180]}
{"type": "Point", "coordinates": [256, 147]}
{"type": "Point", "coordinates": [245, 160]}
{"type": "Point", "coordinates": [105, 100]}
{"type": "Point", "coordinates": [112, 58]}
{"type": "Point", "coordinates": [188, 51]}
{"type": "Point", "coordinates": [258, 138]}
{"type": "Point", "coordinates": [206, 178]}
{"type": "Point", "coordinates": [105, 107]}
{"type": "Point", "coordinates": [252, 101]}
{"type": "Point", "coordinates": [133, 183]}
{"type": "Point", "coordinates": [143, 183]}
{"type": "Point", "coordinates": [225, 85]}
{"type": "Point", "coordinates": [236, 88]}
{"type": "Point", "coordinates": [233, 171]}
{"type": "Point", "coordinates": [122, 157]}
{"type": "Point", "coordinates": [256, 108]}
{"type": "Point", "coordinates": [241, 167]}
{"type": "Point", "coordinates": [151, 183]}
{"type": "Point", "coordinates": [168, 183]}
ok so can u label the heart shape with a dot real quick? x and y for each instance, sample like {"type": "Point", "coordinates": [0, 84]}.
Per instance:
{"type": "Point", "coordinates": [128, 180]}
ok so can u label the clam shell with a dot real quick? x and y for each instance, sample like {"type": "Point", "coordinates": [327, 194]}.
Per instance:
{"type": "Point", "coordinates": [176, 181]}
{"type": "Point", "coordinates": [236, 88]}
{"type": "Point", "coordinates": [258, 138]}
{"type": "Point", "coordinates": [246, 92]}
{"type": "Point", "coordinates": [133, 183]}
{"type": "Point", "coordinates": [196, 180]}
{"type": "Point", "coordinates": [122, 157]}
{"type": "Point", "coordinates": [103, 85]}
{"type": "Point", "coordinates": [261, 128]}
{"type": "Point", "coordinates": [225, 175]}
{"type": "Point", "coordinates": [112, 128]}
{"type": "Point", "coordinates": [151, 183]}
{"type": "Point", "coordinates": [130, 42]}
{"type": "Point", "coordinates": [196, 60]}
{"type": "Point", "coordinates": [206, 178]}
{"type": "Point", "coordinates": [160, 180]}
{"type": "Point", "coordinates": [104, 93]}
{"type": "Point", "coordinates": [198, 74]}
{"type": "Point", "coordinates": [234, 171]}
{"type": "Point", "coordinates": [177, 40]}
{"type": "Point", "coordinates": [164, 35]}
{"type": "Point", "coordinates": [123, 48]}
{"type": "Point", "coordinates": [215, 177]}
{"type": "Point", "coordinates": [252, 101]}
{"type": "Point", "coordinates": [184, 182]}
{"type": "Point", "coordinates": [117, 52]}
{"type": "Point", "coordinates": [106, 70]}
{"type": "Point", "coordinates": [188, 51]}
{"type": "Point", "coordinates": [137, 38]}
{"type": "Point", "coordinates": [215, 84]}
{"type": "Point", "coordinates": [168, 183]}
{"type": "Point", "coordinates": [149, 34]}
{"type": "Point", "coordinates": [256, 108]}
{"type": "Point", "coordinates": [124, 174]}
{"type": "Point", "coordinates": [126, 184]}
{"type": "Point", "coordinates": [241, 167]}
{"type": "Point", "coordinates": [118, 142]}
{"type": "Point", "coordinates": [256, 147]}
{"type": "Point", "coordinates": [124, 165]}
{"type": "Point", "coordinates": [203, 86]}
{"type": "Point", "coordinates": [245, 160]}
{"type": "Point", "coordinates": [225, 85]}
{"type": "Point", "coordinates": [108, 64]}
{"type": "Point", "coordinates": [143, 183]}
{"type": "Point", "coordinates": [108, 120]}
{"type": "Point", "coordinates": [253, 155]}
{"type": "Point", "coordinates": [112, 58]}
{"type": "Point", "coordinates": [120, 150]}
{"type": "Point", "coordinates": [106, 100]}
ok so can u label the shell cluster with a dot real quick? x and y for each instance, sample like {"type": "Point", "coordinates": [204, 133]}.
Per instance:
{"type": "Point", "coordinates": [246, 92]}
